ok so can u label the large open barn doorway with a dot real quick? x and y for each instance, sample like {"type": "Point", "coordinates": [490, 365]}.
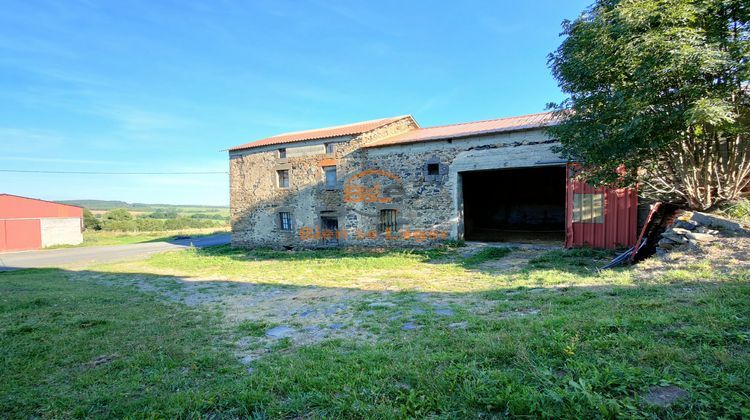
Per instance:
{"type": "Point", "coordinates": [514, 205]}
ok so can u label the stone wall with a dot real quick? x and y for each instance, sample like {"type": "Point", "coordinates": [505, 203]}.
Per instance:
{"type": "Point", "coordinates": [420, 181]}
{"type": "Point", "coordinates": [256, 200]}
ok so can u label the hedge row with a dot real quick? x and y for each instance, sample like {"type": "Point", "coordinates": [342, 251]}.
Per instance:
{"type": "Point", "coordinates": [139, 225]}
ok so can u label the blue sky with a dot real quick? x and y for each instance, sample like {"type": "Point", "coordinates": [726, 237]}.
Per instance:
{"type": "Point", "coordinates": [162, 86]}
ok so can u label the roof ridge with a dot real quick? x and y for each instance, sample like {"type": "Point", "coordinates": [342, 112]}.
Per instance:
{"type": "Point", "coordinates": [339, 126]}
{"type": "Point", "coordinates": [355, 128]}
{"type": "Point", "coordinates": [469, 129]}
{"type": "Point", "coordinates": [487, 120]}
{"type": "Point", "coordinates": [41, 199]}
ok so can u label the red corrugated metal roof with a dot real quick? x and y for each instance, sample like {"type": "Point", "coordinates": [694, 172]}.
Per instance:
{"type": "Point", "coordinates": [321, 133]}
{"type": "Point", "coordinates": [524, 122]}
{"type": "Point", "coordinates": [15, 207]}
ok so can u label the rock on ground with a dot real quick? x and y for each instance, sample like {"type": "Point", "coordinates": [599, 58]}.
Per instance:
{"type": "Point", "coordinates": [664, 396]}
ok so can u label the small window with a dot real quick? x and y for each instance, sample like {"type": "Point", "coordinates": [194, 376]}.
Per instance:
{"type": "Point", "coordinates": [330, 176]}
{"type": "Point", "coordinates": [283, 178]}
{"type": "Point", "coordinates": [433, 169]}
{"type": "Point", "coordinates": [282, 153]}
{"type": "Point", "coordinates": [329, 223]}
{"type": "Point", "coordinates": [285, 220]}
{"type": "Point", "coordinates": [588, 208]}
{"type": "Point", "coordinates": [388, 221]}
{"type": "Point", "coordinates": [329, 148]}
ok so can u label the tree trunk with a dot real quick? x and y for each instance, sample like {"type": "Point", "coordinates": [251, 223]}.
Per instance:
{"type": "Point", "coordinates": [702, 171]}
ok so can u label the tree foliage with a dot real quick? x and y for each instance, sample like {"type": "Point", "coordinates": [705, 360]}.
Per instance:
{"type": "Point", "coordinates": [90, 221]}
{"type": "Point", "coordinates": [118, 215]}
{"type": "Point", "coordinates": [163, 214]}
{"type": "Point", "coordinates": [121, 220]}
{"type": "Point", "coordinates": [660, 86]}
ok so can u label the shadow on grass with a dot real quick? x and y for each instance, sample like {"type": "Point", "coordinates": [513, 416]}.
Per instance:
{"type": "Point", "coordinates": [181, 238]}
{"type": "Point", "coordinates": [579, 261]}
{"type": "Point", "coordinates": [84, 343]}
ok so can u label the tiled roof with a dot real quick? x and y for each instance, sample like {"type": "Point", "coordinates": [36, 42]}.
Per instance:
{"type": "Point", "coordinates": [320, 133]}
{"type": "Point", "coordinates": [500, 125]}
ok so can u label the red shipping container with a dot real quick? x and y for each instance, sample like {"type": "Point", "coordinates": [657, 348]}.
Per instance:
{"type": "Point", "coordinates": [599, 217]}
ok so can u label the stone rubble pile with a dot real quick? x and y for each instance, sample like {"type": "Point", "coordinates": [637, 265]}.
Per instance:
{"type": "Point", "coordinates": [693, 229]}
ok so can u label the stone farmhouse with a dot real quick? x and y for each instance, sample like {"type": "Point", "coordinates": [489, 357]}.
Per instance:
{"type": "Point", "coordinates": [390, 182]}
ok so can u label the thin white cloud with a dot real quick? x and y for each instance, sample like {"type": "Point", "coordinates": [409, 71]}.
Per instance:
{"type": "Point", "coordinates": [139, 120]}
{"type": "Point", "coordinates": [371, 19]}
{"type": "Point", "coordinates": [59, 160]}
{"type": "Point", "coordinates": [16, 140]}
{"type": "Point", "coordinates": [35, 46]}
{"type": "Point", "coordinates": [437, 101]}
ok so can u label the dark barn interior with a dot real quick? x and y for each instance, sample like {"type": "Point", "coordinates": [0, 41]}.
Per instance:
{"type": "Point", "coordinates": [515, 205]}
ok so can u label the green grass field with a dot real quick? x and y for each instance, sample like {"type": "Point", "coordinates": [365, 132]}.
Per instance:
{"type": "Point", "coordinates": [374, 334]}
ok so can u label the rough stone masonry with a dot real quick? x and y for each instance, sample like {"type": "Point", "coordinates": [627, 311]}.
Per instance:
{"type": "Point", "coordinates": [381, 183]}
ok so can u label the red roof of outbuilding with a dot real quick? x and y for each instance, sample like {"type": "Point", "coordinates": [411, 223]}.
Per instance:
{"type": "Point", "coordinates": [500, 125]}
{"type": "Point", "coordinates": [321, 133]}
{"type": "Point", "coordinates": [14, 206]}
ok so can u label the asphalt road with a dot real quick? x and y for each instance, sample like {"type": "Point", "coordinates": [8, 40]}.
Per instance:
{"type": "Point", "coordinates": [101, 254]}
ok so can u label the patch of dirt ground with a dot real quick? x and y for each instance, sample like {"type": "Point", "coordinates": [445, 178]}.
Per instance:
{"type": "Point", "coordinates": [515, 261]}
{"type": "Point", "coordinates": [310, 314]}
{"type": "Point", "coordinates": [263, 318]}
{"type": "Point", "coordinates": [664, 396]}
{"type": "Point", "coordinates": [725, 255]}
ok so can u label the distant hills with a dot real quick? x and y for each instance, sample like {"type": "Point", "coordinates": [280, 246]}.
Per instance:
{"type": "Point", "coordinates": [114, 204]}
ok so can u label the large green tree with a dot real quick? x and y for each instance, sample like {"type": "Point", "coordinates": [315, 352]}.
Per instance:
{"type": "Point", "coordinates": [90, 221]}
{"type": "Point", "coordinates": [118, 215]}
{"type": "Point", "coordinates": [660, 86]}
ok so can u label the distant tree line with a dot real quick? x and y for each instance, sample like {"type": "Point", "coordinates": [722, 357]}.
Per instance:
{"type": "Point", "coordinates": [173, 214]}
{"type": "Point", "coordinates": [123, 221]}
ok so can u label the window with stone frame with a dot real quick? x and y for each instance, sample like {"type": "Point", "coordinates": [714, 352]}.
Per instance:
{"type": "Point", "coordinates": [388, 220]}
{"type": "Point", "coordinates": [330, 149]}
{"type": "Point", "coordinates": [282, 153]}
{"type": "Point", "coordinates": [282, 176]}
{"type": "Point", "coordinates": [330, 174]}
{"type": "Point", "coordinates": [433, 169]}
{"type": "Point", "coordinates": [285, 220]}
